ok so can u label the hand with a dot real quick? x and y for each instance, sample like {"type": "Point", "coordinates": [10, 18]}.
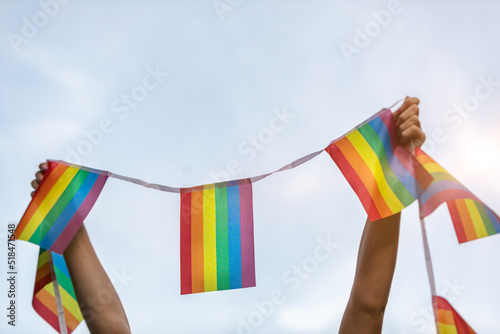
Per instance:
{"type": "Point", "coordinates": [39, 176]}
{"type": "Point", "coordinates": [408, 124]}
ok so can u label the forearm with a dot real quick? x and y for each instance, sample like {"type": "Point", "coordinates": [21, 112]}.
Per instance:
{"type": "Point", "coordinates": [98, 300]}
{"type": "Point", "coordinates": [374, 271]}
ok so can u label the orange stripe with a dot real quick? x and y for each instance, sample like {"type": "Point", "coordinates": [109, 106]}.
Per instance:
{"type": "Point", "coordinates": [446, 317]}
{"type": "Point", "coordinates": [197, 255]}
{"type": "Point", "coordinates": [470, 232]}
{"type": "Point", "coordinates": [48, 183]}
{"type": "Point", "coordinates": [425, 159]}
{"type": "Point", "coordinates": [71, 321]}
{"type": "Point", "coordinates": [364, 173]}
{"type": "Point", "coordinates": [48, 300]}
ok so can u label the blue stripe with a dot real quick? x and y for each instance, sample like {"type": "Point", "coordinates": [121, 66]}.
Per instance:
{"type": "Point", "coordinates": [404, 176]}
{"type": "Point", "coordinates": [60, 263]}
{"type": "Point", "coordinates": [234, 236]}
{"type": "Point", "coordinates": [439, 186]}
{"type": "Point", "coordinates": [493, 218]}
{"type": "Point", "coordinates": [68, 212]}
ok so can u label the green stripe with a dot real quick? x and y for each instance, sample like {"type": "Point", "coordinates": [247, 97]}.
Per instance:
{"type": "Point", "coordinates": [377, 146]}
{"type": "Point", "coordinates": [486, 219]}
{"type": "Point", "coordinates": [65, 282]}
{"type": "Point", "coordinates": [59, 207]}
{"type": "Point", "coordinates": [440, 176]}
{"type": "Point", "coordinates": [222, 238]}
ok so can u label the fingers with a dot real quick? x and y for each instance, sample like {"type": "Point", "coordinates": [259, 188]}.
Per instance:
{"type": "Point", "coordinates": [413, 134]}
{"type": "Point", "coordinates": [39, 176]}
{"type": "Point", "coordinates": [409, 101]}
{"type": "Point", "coordinates": [43, 167]}
{"type": "Point", "coordinates": [408, 123]}
{"type": "Point", "coordinates": [410, 111]}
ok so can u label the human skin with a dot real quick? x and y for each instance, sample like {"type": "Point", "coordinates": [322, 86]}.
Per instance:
{"type": "Point", "coordinates": [90, 281]}
{"type": "Point", "coordinates": [370, 291]}
{"type": "Point", "coordinates": [379, 246]}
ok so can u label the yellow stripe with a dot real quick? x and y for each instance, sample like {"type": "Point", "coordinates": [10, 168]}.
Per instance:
{"type": "Point", "coordinates": [68, 302]}
{"type": "Point", "coordinates": [43, 259]}
{"type": "Point", "coordinates": [476, 218]}
{"type": "Point", "coordinates": [373, 163]}
{"type": "Point", "coordinates": [434, 168]}
{"type": "Point", "coordinates": [50, 289]}
{"type": "Point", "coordinates": [48, 202]}
{"type": "Point", "coordinates": [209, 246]}
{"type": "Point", "coordinates": [447, 329]}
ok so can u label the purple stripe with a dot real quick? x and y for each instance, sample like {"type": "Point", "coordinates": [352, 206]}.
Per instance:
{"type": "Point", "coordinates": [493, 218]}
{"type": "Point", "coordinates": [70, 210]}
{"type": "Point", "coordinates": [247, 236]}
{"type": "Point", "coordinates": [439, 186]}
{"type": "Point", "coordinates": [69, 232]}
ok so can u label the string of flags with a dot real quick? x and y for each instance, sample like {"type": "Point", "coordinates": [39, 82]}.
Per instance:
{"type": "Point", "coordinates": [216, 220]}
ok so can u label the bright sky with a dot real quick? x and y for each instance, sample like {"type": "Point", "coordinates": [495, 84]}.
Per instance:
{"type": "Point", "coordinates": [174, 91]}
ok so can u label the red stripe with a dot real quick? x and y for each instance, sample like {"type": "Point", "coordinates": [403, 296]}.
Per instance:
{"type": "Point", "coordinates": [444, 196]}
{"type": "Point", "coordinates": [460, 324]}
{"type": "Point", "coordinates": [186, 276]}
{"type": "Point", "coordinates": [46, 313]}
{"type": "Point", "coordinates": [49, 179]}
{"type": "Point", "coordinates": [42, 282]}
{"type": "Point", "coordinates": [354, 180]}
{"type": "Point", "coordinates": [76, 222]}
{"type": "Point", "coordinates": [457, 221]}
{"type": "Point", "coordinates": [441, 303]}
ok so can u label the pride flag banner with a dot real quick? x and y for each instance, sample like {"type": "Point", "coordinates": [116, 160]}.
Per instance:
{"type": "Point", "coordinates": [64, 198]}
{"type": "Point", "coordinates": [217, 237]}
{"type": "Point", "coordinates": [384, 175]}
{"type": "Point", "coordinates": [54, 297]}
{"type": "Point", "coordinates": [448, 321]}
{"type": "Point", "coordinates": [471, 218]}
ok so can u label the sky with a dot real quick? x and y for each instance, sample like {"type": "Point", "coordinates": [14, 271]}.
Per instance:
{"type": "Point", "coordinates": [176, 93]}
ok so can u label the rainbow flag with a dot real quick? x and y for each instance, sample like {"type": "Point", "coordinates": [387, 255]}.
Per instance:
{"type": "Point", "coordinates": [471, 218]}
{"type": "Point", "coordinates": [54, 297]}
{"type": "Point", "coordinates": [448, 321]}
{"type": "Point", "coordinates": [64, 198]}
{"type": "Point", "coordinates": [384, 175]}
{"type": "Point", "coordinates": [217, 237]}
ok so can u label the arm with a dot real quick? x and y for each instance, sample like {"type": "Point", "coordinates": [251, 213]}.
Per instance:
{"type": "Point", "coordinates": [379, 246]}
{"type": "Point", "coordinates": [376, 263]}
{"type": "Point", "coordinates": [98, 299]}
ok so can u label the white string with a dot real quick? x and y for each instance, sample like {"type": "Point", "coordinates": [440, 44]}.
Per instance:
{"type": "Point", "coordinates": [427, 253]}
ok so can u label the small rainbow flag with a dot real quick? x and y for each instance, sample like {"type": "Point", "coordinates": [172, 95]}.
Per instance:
{"type": "Point", "coordinates": [471, 218]}
{"type": "Point", "coordinates": [448, 320]}
{"type": "Point", "coordinates": [54, 297]}
{"type": "Point", "coordinates": [217, 237]}
{"type": "Point", "coordinates": [383, 174]}
{"type": "Point", "coordinates": [64, 198]}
